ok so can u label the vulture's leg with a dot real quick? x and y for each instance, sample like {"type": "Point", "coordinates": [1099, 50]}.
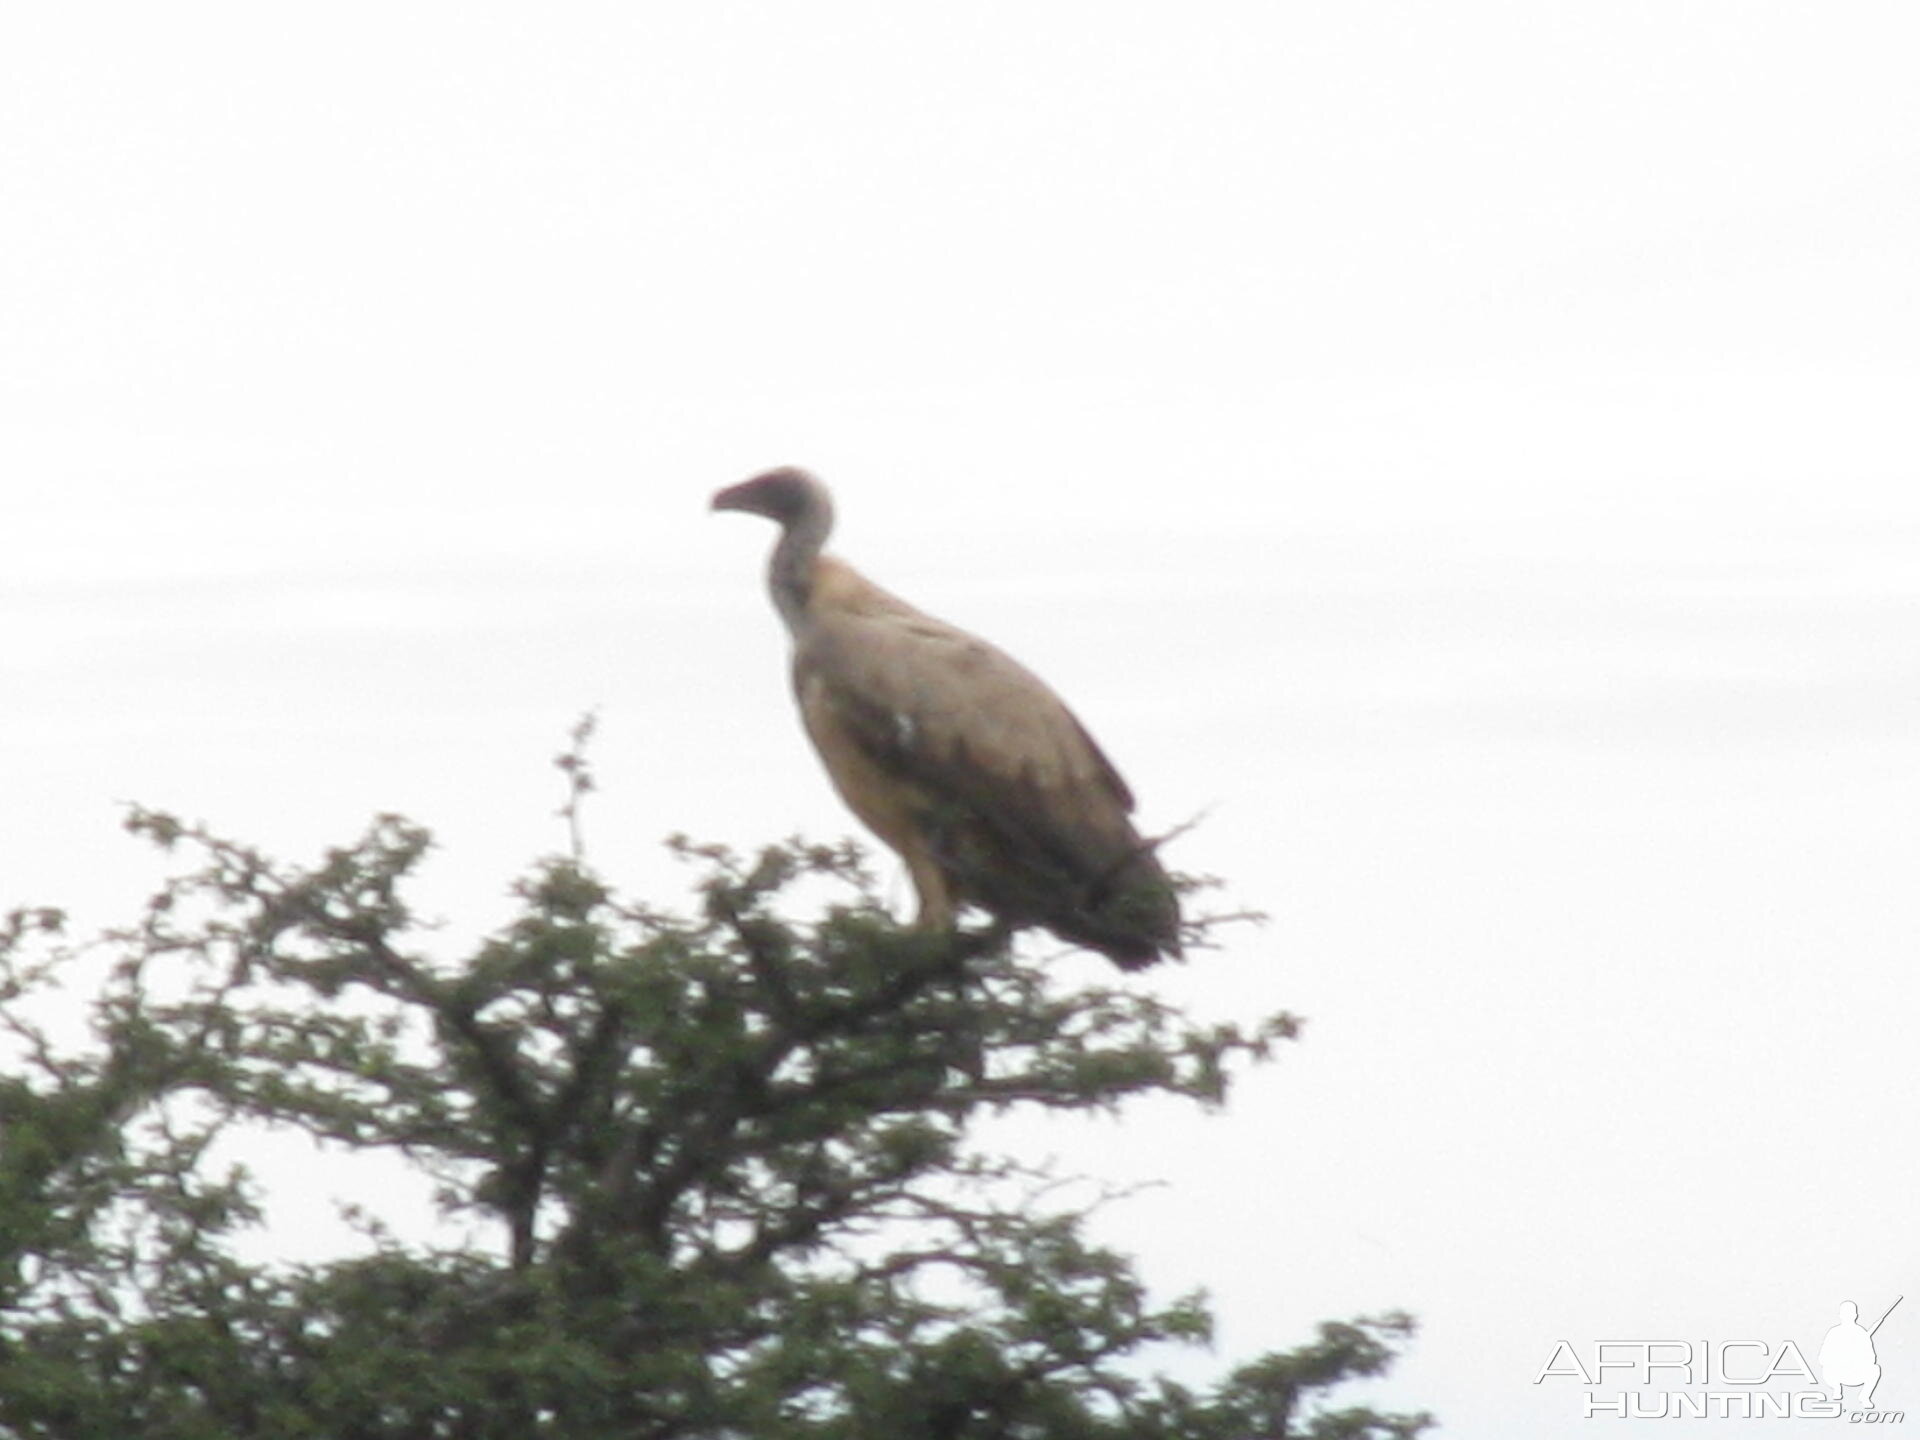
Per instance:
{"type": "Point", "coordinates": [930, 884]}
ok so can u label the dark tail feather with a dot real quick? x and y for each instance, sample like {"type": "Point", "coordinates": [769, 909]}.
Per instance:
{"type": "Point", "coordinates": [1127, 909]}
{"type": "Point", "coordinates": [1133, 918]}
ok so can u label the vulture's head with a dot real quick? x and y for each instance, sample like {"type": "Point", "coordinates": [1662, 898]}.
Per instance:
{"type": "Point", "coordinates": [789, 496]}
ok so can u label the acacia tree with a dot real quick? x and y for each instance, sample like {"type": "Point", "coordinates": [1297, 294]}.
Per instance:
{"type": "Point", "coordinates": [719, 1170]}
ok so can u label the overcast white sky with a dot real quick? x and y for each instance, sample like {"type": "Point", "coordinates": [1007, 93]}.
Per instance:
{"type": "Point", "coordinates": [1469, 451]}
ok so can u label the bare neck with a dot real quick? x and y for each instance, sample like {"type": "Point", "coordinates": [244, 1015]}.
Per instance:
{"type": "Point", "coordinates": [790, 571]}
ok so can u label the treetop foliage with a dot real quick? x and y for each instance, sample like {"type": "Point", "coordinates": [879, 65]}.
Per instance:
{"type": "Point", "coordinates": [717, 1171]}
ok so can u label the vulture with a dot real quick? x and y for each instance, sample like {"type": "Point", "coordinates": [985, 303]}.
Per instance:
{"type": "Point", "coordinates": [957, 756]}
